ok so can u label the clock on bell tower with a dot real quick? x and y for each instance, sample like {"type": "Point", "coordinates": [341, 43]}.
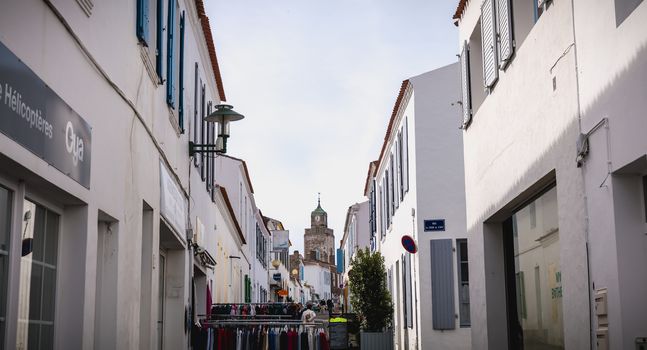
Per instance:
{"type": "Point", "coordinates": [319, 217]}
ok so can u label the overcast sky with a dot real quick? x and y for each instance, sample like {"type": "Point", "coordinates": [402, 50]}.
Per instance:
{"type": "Point", "coordinates": [316, 81]}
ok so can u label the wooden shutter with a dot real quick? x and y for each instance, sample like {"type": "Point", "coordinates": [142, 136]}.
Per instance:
{"type": "Point", "coordinates": [170, 55]}
{"type": "Point", "coordinates": [202, 130]}
{"type": "Point", "coordinates": [406, 154]}
{"type": "Point", "coordinates": [465, 85]}
{"type": "Point", "coordinates": [143, 21]}
{"type": "Point", "coordinates": [180, 108]}
{"type": "Point", "coordinates": [442, 284]}
{"type": "Point", "coordinates": [212, 180]}
{"type": "Point", "coordinates": [489, 44]}
{"type": "Point", "coordinates": [505, 33]}
{"type": "Point", "coordinates": [158, 41]}
{"type": "Point", "coordinates": [401, 164]}
{"type": "Point", "coordinates": [195, 111]}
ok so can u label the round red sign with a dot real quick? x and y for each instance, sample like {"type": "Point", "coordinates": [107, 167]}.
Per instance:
{"type": "Point", "coordinates": [409, 244]}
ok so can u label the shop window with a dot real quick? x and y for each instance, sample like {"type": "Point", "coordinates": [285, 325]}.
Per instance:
{"type": "Point", "coordinates": [527, 252]}
{"type": "Point", "coordinates": [37, 295]}
{"type": "Point", "coordinates": [5, 233]}
{"type": "Point", "coordinates": [463, 283]}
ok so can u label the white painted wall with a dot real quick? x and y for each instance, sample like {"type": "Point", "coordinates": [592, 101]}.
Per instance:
{"type": "Point", "coordinates": [435, 192]}
{"type": "Point", "coordinates": [230, 173]}
{"type": "Point", "coordinates": [126, 154]}
{"type": "Point", "coordinates": [612, 70]}
{"type": "Point", "coordinates": [314, 277]}
{"type": "Point", "coordinates": [440, 189]}
{"type": "Point", "coordinates": [231, 264]}
{"type": "Point", "coordinates": [533, 111]}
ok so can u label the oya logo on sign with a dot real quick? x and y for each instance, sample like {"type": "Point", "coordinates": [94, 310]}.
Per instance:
{"type": "Point", "coordinates": [73, 143]}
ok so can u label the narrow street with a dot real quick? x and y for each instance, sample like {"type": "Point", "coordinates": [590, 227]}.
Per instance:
{"type": "Point", "coordinates": [217, 175]}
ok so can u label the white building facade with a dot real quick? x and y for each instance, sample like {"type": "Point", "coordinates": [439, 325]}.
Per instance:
{"type": "Point", "coordinates": [556, 201]}
{"type": "Point", "coordinates": [106, 219]}
{"type": "Point", "coordinates": [317, 275]}
{"type": "Point", "coordinates": [233, 174]}
{"type": "Point", "coordinates": [417, 188]}
{"type": "Point", "coordinates": [357, 236]}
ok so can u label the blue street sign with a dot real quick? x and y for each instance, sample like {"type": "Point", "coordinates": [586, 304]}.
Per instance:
{"type": "Point", "coordinates": [435, 225]}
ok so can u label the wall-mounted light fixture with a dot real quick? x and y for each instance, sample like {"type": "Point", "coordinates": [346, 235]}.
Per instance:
{"type": "Point", "coordinates": [223, 115]}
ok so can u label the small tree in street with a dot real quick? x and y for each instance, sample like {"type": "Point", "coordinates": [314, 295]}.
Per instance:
{"type": "Point", "coordinates": [369, 295]}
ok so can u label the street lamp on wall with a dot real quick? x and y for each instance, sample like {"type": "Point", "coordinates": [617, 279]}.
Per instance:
{"type": "Point", "coordinates": [223, 115]}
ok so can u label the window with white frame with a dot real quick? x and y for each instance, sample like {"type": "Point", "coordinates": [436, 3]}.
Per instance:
{"type": "Point", "coordinates": [5, 234]}
{"type": "Point", "coordinates": [38, 270]}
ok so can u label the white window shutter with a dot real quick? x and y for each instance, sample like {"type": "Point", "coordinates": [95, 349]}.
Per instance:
{"type": "Point", "coordinates": [488, 37]}
{"type": "Point", "coordinates": [465, 85]}
{"type": "Point", "coordinates": [504, 25]}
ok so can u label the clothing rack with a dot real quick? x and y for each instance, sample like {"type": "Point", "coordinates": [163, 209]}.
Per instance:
{"type": "Point", "coordinates": [260, 334]}
{"type": "Point", "coordinates": [268, 303]}
{"type": "Point", "coordinates": [260, 323]}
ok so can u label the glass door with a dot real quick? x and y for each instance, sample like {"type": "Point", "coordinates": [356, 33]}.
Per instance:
{"type": "Point", "coordinates": [38, 264]}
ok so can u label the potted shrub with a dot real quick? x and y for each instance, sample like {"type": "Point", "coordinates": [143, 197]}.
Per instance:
{"type": "Point", "coordinates": [370, 297]}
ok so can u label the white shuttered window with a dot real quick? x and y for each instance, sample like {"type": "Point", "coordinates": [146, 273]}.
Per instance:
{"type": "Point", "coordinates": [489, 42]}
{"type": "Point", "coordinates": [505, 34]}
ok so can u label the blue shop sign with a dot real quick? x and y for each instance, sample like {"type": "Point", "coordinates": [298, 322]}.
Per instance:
{"type": "Point", "coordinates": [435, 225]}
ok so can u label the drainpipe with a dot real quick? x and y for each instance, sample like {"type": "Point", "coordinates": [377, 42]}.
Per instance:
{"type": "Point", "coordinates": [586, 211]}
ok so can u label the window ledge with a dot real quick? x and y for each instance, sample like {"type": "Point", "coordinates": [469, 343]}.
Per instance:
{"type": "Point", "coordinates": [148, 64]}
{"type": "Point", "coordinates": [173, 119]}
